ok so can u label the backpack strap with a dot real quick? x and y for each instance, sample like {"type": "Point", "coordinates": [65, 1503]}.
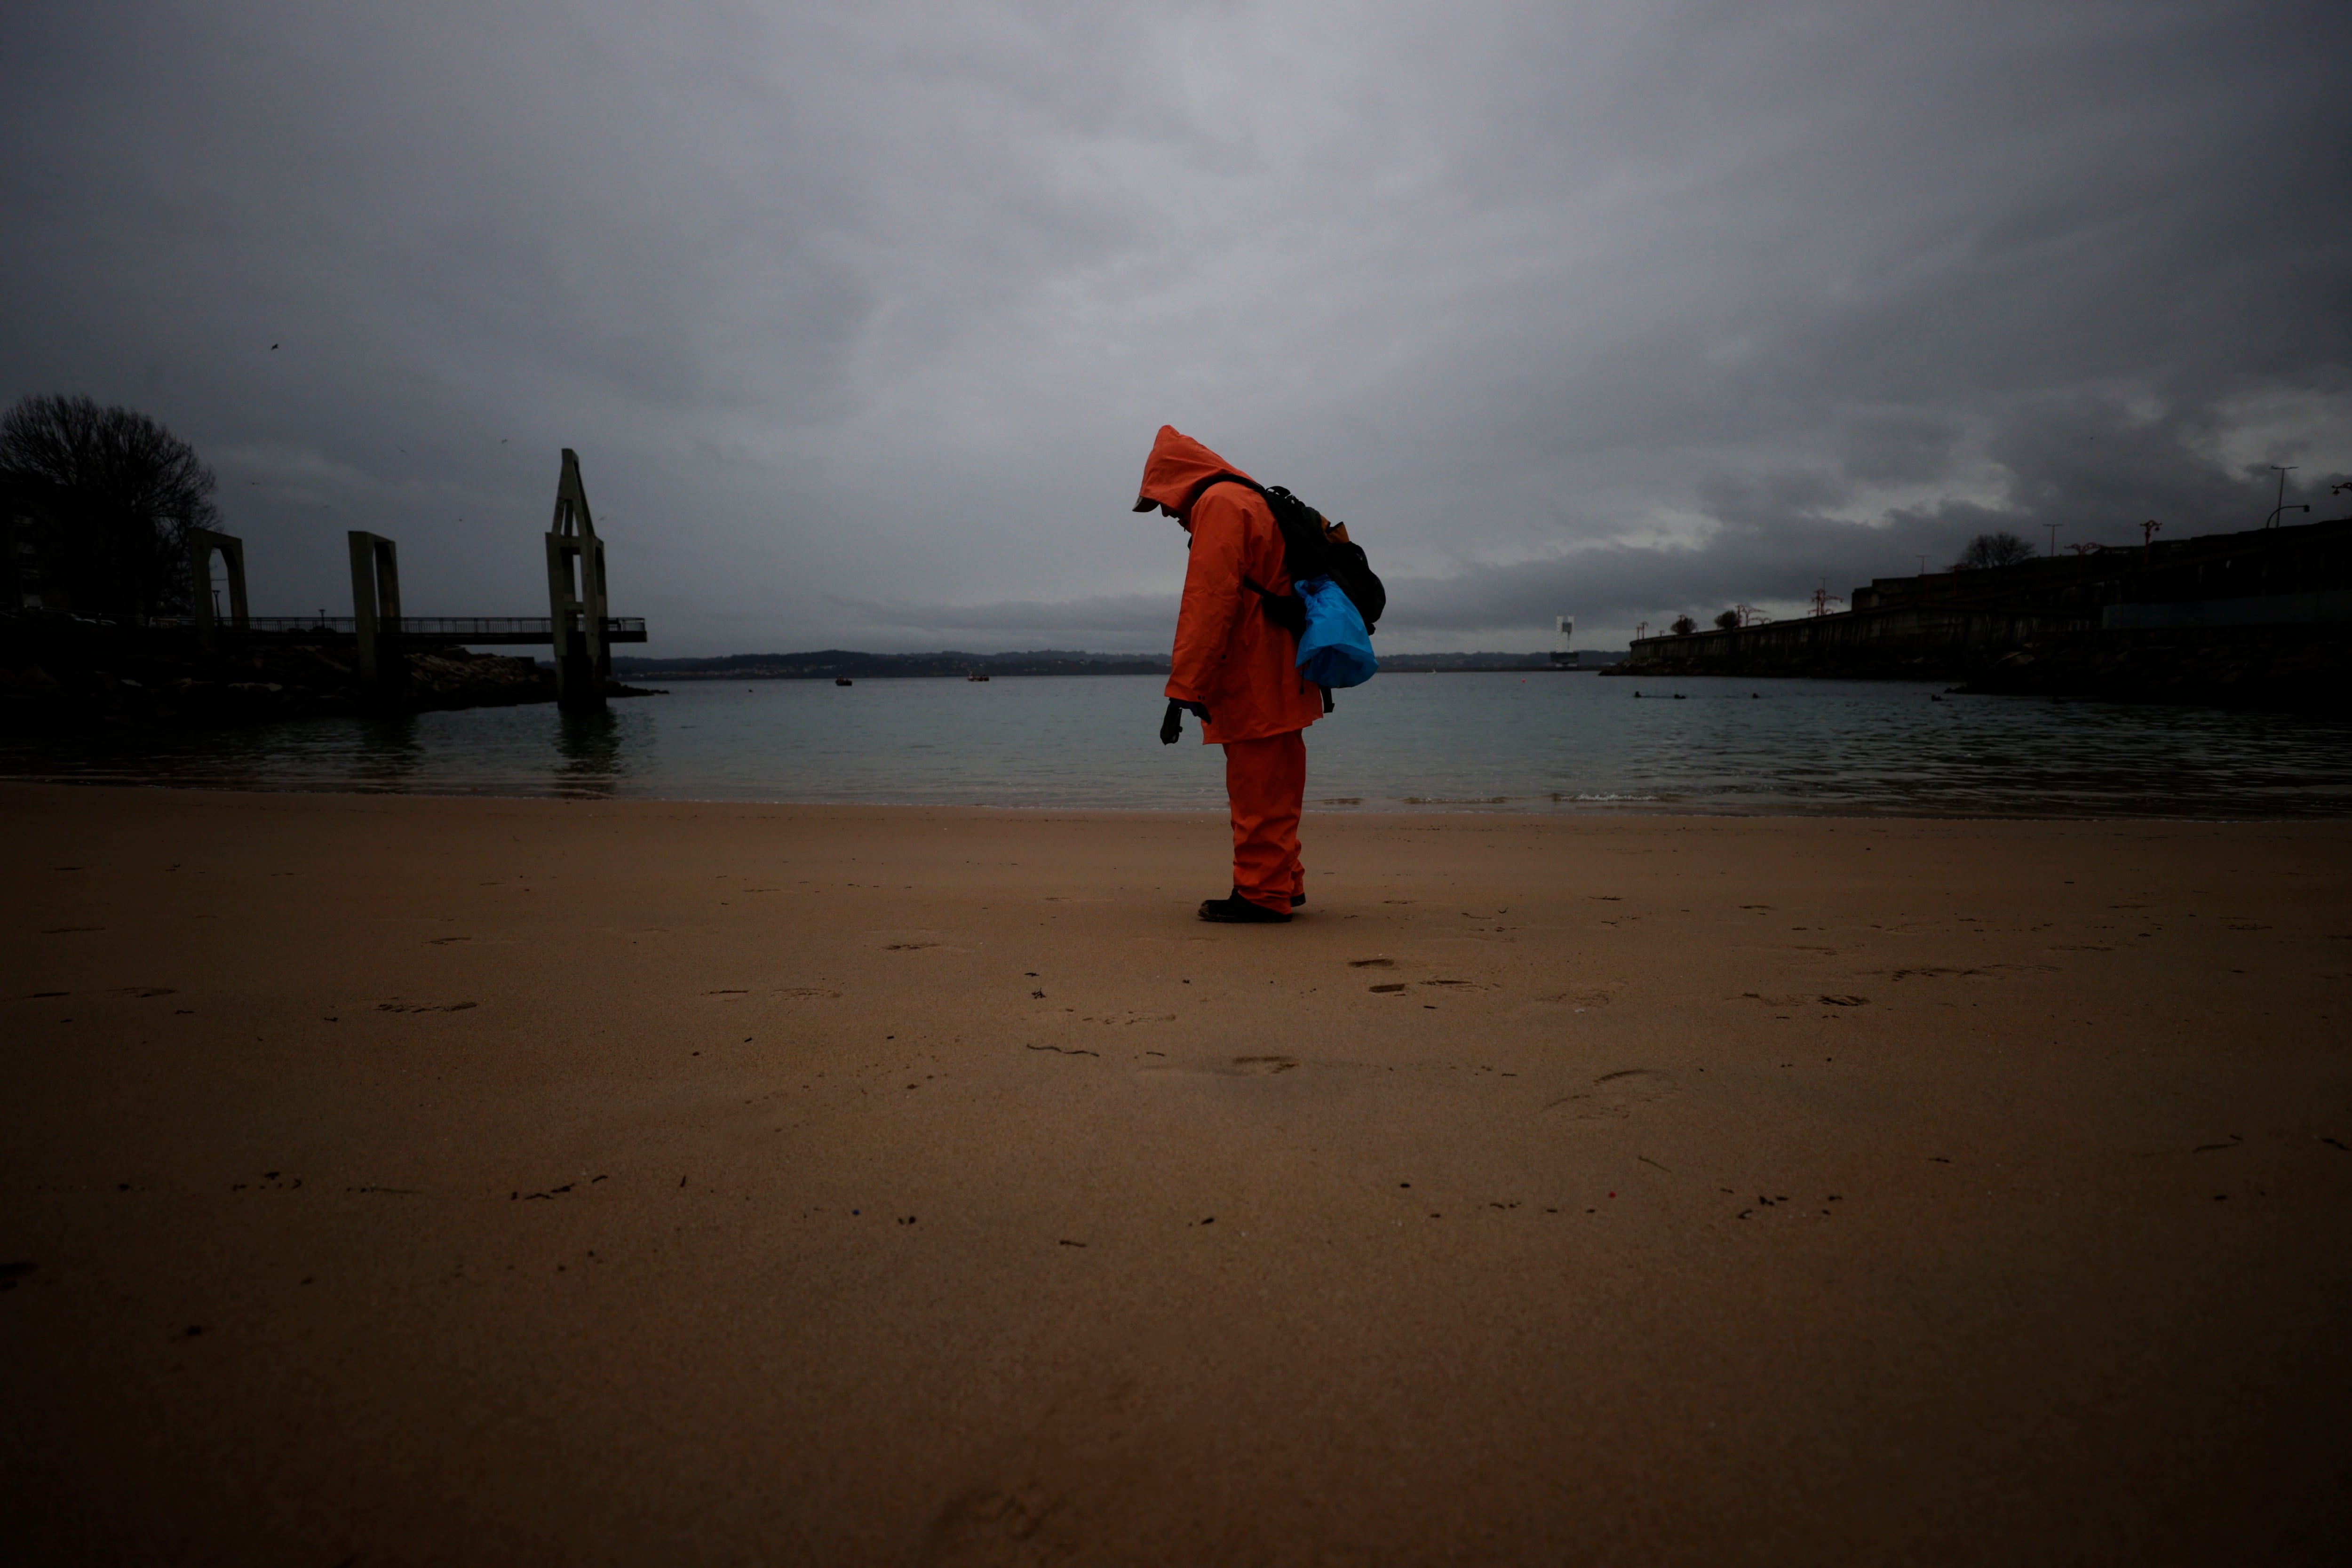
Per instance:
{"type": "Point", "coordinates": [1288, 611]}
{"type": "Point", "coordinates": [1213, 480]}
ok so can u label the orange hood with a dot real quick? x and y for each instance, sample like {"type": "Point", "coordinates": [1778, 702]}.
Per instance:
{"type": "Point", "coordinates": [1177, 468]}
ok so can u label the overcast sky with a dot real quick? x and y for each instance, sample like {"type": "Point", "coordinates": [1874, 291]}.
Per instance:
{"type": "Point", "coordinates": [862, 317]}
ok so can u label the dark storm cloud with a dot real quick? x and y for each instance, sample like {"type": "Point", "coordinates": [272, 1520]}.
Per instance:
{"type": "Point", "coordinates": [862, 317]}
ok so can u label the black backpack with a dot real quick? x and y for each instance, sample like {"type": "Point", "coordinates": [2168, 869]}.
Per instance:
{"type": "Point", "coordinates": [1309, 550]}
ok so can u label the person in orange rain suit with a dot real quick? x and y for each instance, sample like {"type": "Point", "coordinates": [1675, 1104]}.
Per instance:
{"type": "Point", "coordinates": [1237, 670]}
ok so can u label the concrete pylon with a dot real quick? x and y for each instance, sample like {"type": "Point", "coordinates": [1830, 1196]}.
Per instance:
{"type": "Point", "coordinates": [203, 545]}
{"type": "Point", "coordinates": [375, 610]}
{"type": "Point", "coordinates": [575, 595]}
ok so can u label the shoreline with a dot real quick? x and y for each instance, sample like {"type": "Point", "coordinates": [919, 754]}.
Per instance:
{"type": "Point", "coordinates": [1517, 745]}
{"type": "Point", "coordinates": [1634, 810]}
{"type": "Point", "coordinates": [442, 1177]}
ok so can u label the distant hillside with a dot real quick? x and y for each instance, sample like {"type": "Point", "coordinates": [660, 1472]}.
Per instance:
{"type": "Point", "coordinates": [827, 664]}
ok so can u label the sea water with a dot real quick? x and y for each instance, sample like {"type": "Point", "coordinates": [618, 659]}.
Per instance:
{"type": "Point", "coordinates": [1414, 743]}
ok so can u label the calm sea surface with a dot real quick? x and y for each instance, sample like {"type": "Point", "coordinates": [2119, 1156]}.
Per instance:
{"type": "Point", "coordinates": [1405, 742]}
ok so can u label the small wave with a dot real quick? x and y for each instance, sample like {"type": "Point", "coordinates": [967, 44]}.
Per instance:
{"type": "Point", "coordinates": [1608, 798]}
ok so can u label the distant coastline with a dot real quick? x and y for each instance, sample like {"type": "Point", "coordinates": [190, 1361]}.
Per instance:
{"type": "Point", "coordinates": [828, 664]}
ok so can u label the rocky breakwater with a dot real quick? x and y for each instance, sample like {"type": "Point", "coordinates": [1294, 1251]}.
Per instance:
{"type": "Point", "coordinates": [2300, 670]}
{"type": "Point", "coordinates": [64, 675]}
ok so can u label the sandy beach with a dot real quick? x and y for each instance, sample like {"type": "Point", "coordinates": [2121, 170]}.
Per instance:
{"type": "Point", "coordinates": [402, 1181]}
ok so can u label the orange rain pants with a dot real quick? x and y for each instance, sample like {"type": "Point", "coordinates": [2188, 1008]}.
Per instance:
{"type": "Point", "coordinates": [1266, 783]}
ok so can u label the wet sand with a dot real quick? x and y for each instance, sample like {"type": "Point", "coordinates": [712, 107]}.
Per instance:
{"type": "Point", "coordinates": [395, 1181]}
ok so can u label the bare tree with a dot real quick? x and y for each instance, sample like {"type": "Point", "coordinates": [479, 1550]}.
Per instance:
{"type": "Point", "coordinates": [2002, 549]}
{"type": "Point", "coordinates": [130, 489]}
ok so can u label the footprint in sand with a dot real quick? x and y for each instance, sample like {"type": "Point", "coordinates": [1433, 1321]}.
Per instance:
{"type": "Point", "coordinates": [1223, 1067]}
{"type": "Point", "coordinates": [990, 1525]}
{"type": "Point", "coordinates": [789, 992]}
{"type": "Point", "coordinates": [1613, 1094]}
{"type": "Point", "coordinates": [1944, 971]}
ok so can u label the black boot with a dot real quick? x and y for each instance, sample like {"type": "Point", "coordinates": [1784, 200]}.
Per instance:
{"type": "Point", "coordinates": [1234, 910]}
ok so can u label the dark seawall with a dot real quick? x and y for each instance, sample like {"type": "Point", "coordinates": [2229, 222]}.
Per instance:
{"type": "Point", "coordinates": [2262, 618]}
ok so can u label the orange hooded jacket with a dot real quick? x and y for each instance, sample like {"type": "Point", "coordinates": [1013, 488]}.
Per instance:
{"type": "Point", "coordinates": [1229, 658]}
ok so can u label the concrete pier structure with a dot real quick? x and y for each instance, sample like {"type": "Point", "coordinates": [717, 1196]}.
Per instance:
{"type": "Point", "coordinates": [203, 545]}
{"type": "Point", "coordinates": [576, 595]}
{"type": "Point", "coordinates": [375, 608]}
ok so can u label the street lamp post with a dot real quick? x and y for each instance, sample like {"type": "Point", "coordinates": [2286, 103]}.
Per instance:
{"type": "Point", "coordinates": [2283, 473]}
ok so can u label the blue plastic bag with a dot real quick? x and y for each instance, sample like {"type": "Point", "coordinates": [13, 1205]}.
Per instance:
{"type": "Point", "coordinates": [1335, 650]}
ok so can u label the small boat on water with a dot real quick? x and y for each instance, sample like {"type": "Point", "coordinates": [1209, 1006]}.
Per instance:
{"type": "Point", "coordinates": [843, 680]}
{"type": "Point", "coordinates": [975, 677]}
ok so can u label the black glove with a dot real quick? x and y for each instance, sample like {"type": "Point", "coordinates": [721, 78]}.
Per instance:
{"type": "Point", "coordinates": [1171, 723]}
